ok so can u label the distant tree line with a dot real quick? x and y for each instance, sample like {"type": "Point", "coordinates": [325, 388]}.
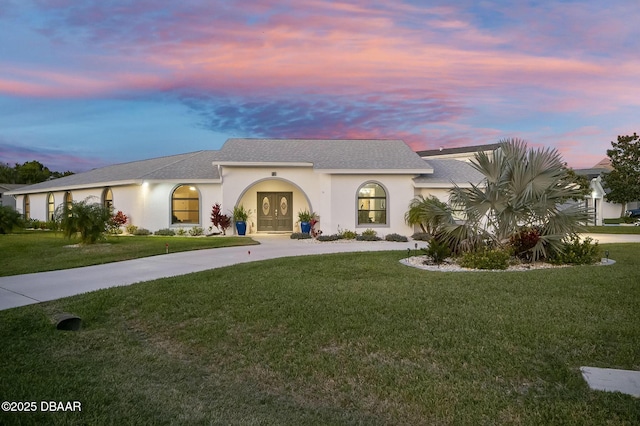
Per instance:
{"type": "Point", "coordinates": [28, 173]}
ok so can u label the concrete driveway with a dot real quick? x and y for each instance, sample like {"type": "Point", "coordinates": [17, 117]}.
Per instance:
{"type": "Point", "coordinates": [20, 290]}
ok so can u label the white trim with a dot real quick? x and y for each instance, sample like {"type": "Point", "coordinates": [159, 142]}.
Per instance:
{"type": "Point", "coordinates": [375, 171]}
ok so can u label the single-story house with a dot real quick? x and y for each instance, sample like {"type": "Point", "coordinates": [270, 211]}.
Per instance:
{"type": "Point", "coordinates": [350, 184]}
{"type": "Point", "coordinates": [5, 198]}
{"type": "Point", "coordinates": [596, 201]}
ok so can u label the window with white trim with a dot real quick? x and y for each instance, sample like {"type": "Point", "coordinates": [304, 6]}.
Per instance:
{"type": "Point", "coordinates": [372, 204]}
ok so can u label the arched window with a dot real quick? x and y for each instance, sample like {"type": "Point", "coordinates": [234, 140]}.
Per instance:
{"type": "Point", "coordinates": [51, 207]}
{"type": "Point", "coordinates": [185, 205]}
{"type": "Point", "coordinates": [372, 204]}
{"type": "Point", "coordinates": [26, 207]}
{"type": "Point", "coordinates": [107, 198]}
{"type": "Point", "coordinates": [68, 200]}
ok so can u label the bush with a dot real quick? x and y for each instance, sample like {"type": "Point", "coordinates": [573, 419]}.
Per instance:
{"type": "Point", "coordinates": [485, 259]}
{"type": "Point", "coordinates": [300, 236]}
{"type": "Point", "coordinates": [332, 237]}
{"type": "Point", "coordinates": [523, 241]}
{"type": "Point", "coordinates": [396, 237]}
{"type": "Point", "coordinates": [370, 232]}
{"type": "Point", "coordinates": [181, 232]}
{"type": "Point", "coordinates": [88, 219]}
{"type": "Point", "coordinates": [576, 252]}
{"type": "Point", "coordinates": [345, 234]}
{"type": "Point", "coordinates": [368, 235]}
{"type": "Point", "coordinates": [9, 218]}
{"type": "Point", "coordinates": [219, 220]}
{"type": "Point", "coordinates": [131, 229]}
{"type": "Point", "coordinates": [629, 219]}
{"type": "Point", "coordinates": [166, 232]}
{"type": "Point", "coordinates": [368, 238]}
{"type": "Point", "coordinates": [141, 231]}
{"type": "Point", "coordinates": [438, 251]}
{"type": "Point", "coordinates": [421, 236]}
{"type": "Point", "coordinates": [196, 231]}
{"type": "Point", "coordinates": [614, 221]}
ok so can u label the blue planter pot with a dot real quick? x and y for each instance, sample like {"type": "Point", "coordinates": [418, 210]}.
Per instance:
{"type": "Point", "coordinates": [241, 228]}
{"type": "Point", "coordinates": [305, 227]}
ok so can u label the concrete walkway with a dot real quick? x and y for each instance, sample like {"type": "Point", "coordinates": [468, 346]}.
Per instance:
{"type": "Point", "coordinates": [20, 290]}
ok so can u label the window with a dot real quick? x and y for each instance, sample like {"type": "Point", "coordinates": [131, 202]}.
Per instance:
{"type": "Point", "coordinates": [68, 199]}
{"type": "Point", "coordinates": [107, 198]}
{"type": "Point", "coordinates": [51, 207]}
{"type": "Point", "coordinates": [185, 205]}
{"type": "Point", "coordinates": [26, 207]}
{"type": "Point", "coordinates": [372, 204]}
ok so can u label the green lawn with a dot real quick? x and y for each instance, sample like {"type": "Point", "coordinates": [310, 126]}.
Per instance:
{"type": "Point", "coordinates": [336, 339]}
{"type": "Point", "coordinates": [613, 229]}
{"type": "Point", "coordinates": [38, 251]}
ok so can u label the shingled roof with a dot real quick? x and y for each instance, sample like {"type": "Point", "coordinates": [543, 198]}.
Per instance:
{"type": "Point", "coordinates": [381, 156]}
{"type": "Point", "coordinates": [329, 156]}
{"type": "Point", "coordinates": [191, 166]}
{"type": "Point", "coordinates": [447, 171]}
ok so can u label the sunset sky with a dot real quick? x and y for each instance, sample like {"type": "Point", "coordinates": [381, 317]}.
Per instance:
{"type": "Point", "coordinates": [89, 83]}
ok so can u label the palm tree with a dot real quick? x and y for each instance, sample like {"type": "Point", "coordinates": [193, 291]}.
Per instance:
{"type": "Point", "coordinates": [522, 189]}
{"type": "Point", "coordinates": [429, 213]}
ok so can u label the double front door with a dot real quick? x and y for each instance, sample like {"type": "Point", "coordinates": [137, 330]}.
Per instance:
{"type": "Point", "coordinates": [275, 211]}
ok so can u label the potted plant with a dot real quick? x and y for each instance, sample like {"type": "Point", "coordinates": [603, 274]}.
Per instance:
{"type": "Point", "coordinates": [305, 217]}
{"type": "Point", "coordinates": [240, 216]}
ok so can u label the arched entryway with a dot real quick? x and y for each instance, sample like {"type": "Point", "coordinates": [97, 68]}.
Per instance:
{"type": "Point", "coordinates": [274, 204]}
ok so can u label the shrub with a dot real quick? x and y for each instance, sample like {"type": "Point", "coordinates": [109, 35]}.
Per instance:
{"type": "Point", "coordinates": [615, 221]}
{"type": "Point", "coordinates": [629, 219]}
{"type": "Point", "coordinates": [166, 232]}
{"type": "Point", "coordinates": [142, 231]}
{"type": "Point", "coordinates": [421, 236]}
{"type": "Point", "coordinates": [9, 218]}
{"type": "Point", "coordinates": [332, 237]}
{"type": "Point", "coordinates": [300, 236]}
{"type": "Point", "coordinates": [485, 258]}
{"type": "Point", "coordinates": [523, 242]}
{"type": "Point", "coordinates": [196, 231]}
{"type": "Point", "coordinates": [368, 237]}
{"type": "Point", "coordinates": [438, 251]}
{"type": "Point", "coordinates": [181, 232]}
{"type": "Point", "coordinates": [88, 219]}
{"type": "Point", "coordinates": [131, 229]}
{"type": "Point", "coordinates": [52, 225]}
{"type": "Point", "coordinates": [219, 220]}
{"type": "Point", "coordinates": [345, 234]}
{"type": "Point", "coordinates": [396, 237]}
{"type": "Point", "coordinates": [370, 232]}
{"type": "Point", "coordinates": [576, 252]}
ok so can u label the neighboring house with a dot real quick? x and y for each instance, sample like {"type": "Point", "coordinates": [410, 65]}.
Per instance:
{"type": "Point", "coordinates": [7, 199]}
{"type": "Point", "coordinates": [464, 153]}
{"type": "Point", "coordinates": [596, 202]}
{"type": "Point", "coordinates": [350, 184]}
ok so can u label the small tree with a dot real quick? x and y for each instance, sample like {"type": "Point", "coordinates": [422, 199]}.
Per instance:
{"type": "Point", "coordinates": [429, 213]}
{"type": "Point", "coordinates": [624, 180]}
{"type": "Point", "coordinates": [9, 218]}
{"type": "Point", "coordinates": [88, 219]}
{"type": "Point", "coordinates": [220, 220]}
{"type": "Point", "coordinates": [116, 221]}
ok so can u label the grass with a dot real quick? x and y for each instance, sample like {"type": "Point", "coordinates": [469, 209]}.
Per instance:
{"type": "Point", "coordinates": [336, 339]}
{"type": "Point", "coordinates": [613, 229]}
{"type": "Point", "coordinates": [38, 251]}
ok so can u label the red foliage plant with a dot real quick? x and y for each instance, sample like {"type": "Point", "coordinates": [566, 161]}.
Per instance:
{"type": "Point", "coordinates": [220, 220]}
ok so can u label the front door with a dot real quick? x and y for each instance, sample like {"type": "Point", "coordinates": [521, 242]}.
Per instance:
{"type": "Point", "coordinates": [274, 212]}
